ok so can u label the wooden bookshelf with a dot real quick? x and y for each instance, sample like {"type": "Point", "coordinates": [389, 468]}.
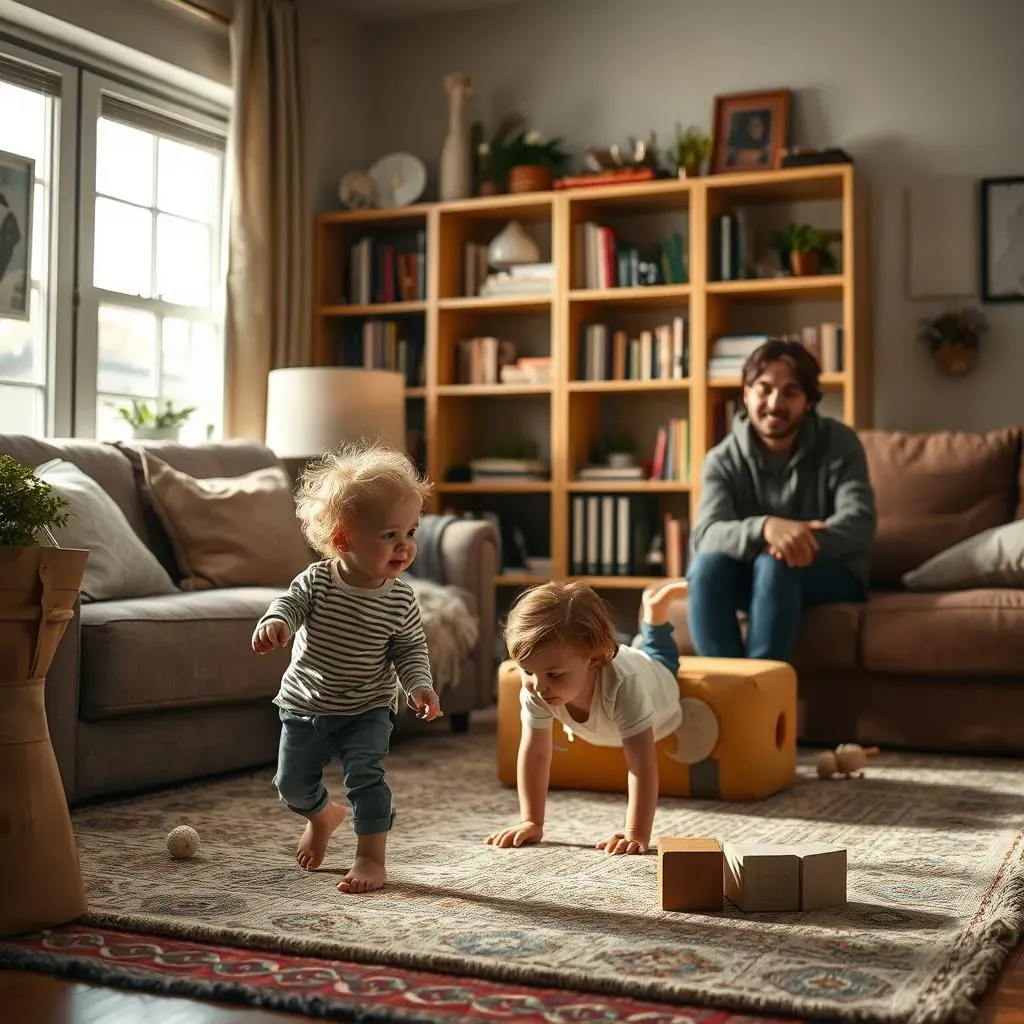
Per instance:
{"type": "Point", "coordinates": [568, 414]}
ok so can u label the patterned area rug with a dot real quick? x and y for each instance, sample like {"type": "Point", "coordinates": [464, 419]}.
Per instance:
{"type": "Point", "coordinates": [936, 886]}
{"type": "Point", "coordinates": [325, 989]}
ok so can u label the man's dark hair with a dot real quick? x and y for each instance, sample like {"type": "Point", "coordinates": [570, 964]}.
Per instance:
{"type": "Point", "coordinates": [805, 366]}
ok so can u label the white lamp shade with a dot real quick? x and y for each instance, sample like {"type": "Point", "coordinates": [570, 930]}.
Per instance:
{"type": "Point", "coordinates": [313, 408]}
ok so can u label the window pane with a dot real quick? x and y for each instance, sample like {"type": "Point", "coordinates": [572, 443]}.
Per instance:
{"type": "Point", "coordinates": [22, 411]}
{"type": "Point", "coordinates": [193, 375]}
{"type": "Point", "coordinates": [123, 251]}
{"type": "Point", "coordinates": [124, 162]}
{"type": "Point", "coordinates": [109, 424]}
{"type": "Point", "coordinates": [23, 124]}
{"type": "Point", "coordinates": [127, 362]}
{"type": "Point", "coordinates": [186, 180]}
{"type": "Point", "coordinates": [23, 345]}
{"type": "Point", "coordinates": [182, 261]}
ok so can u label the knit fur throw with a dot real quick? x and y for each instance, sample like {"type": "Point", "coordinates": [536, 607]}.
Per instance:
{"type": "Point", "coordinates": [450, 628]}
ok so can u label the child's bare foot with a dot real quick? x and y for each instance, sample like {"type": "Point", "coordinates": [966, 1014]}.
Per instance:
{"type": "Point", "coordinates": [318, 832]}
{"type": "Point", "coordinates": [367, 873]}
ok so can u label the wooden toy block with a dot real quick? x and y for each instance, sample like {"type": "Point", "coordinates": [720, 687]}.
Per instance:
{"type": "Point", "coordinates": [773, 877]}
{"type": "Point", "coordinates": [736, 740]}
{"type": "Point", "coordinates": [690, 873]}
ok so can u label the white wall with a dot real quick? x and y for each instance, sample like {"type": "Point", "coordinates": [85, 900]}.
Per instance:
{"type": "Point", "coordinates": [908, 87]}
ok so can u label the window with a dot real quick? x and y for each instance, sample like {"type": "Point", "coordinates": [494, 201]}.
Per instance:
{"type": "Point", "coordinates": [127, 274]}
{"type": "Point", "coordinates": [151, 312]}
{"type": "Point", "coordinates": [37, 122]}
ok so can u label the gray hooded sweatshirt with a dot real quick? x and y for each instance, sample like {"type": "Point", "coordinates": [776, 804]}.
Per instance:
{"type": "Point", "coordinates": [823, 476]}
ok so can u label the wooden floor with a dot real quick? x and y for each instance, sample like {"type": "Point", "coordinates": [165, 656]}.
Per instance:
{"type": "Point", "coordinates": [28, 998]}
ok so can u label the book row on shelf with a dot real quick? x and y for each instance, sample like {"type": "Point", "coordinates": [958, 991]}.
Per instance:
{"type": "Point", "coordinates": [729, 352]}
{"type": "Point", "coordinates": [661, 353]}
{"type": "Point", "coordinates": [521, 279]}
{"type": "Point", "coordinates": [625, 535]}
{"type": "Point", "coordinates": [669, 462]}
{"type": "Point", "coordinates": [601, 262]}
{"type": "Point", "coordinates": [383, 272]}
{"type": "Point", "coordinates": [395, 345]}
{"type": "Point", "coordinates": [494, 360]}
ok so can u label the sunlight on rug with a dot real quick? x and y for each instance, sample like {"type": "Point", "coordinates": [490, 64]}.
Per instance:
{"type": "Point", "coordinates": [936, 886]}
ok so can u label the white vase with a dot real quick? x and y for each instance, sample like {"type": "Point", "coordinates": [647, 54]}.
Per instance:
{"type": "Point", "coordinates": [512, 246]}
{"type": "Point", "coordinates": [155, 433]}
{"type": "Point", "coordinates": [456, 155]}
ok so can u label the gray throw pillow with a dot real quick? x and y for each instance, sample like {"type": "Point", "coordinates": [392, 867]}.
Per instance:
{"type": "Point", "coordinates": [992, 558]}
{"type": "Point", "coordinates": [119, 564]}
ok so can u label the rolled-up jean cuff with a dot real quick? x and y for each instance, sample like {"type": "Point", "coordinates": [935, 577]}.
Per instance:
{"type": "Point", "coordinates": [321, 804]}
{"type": "Point", "coordinates": [373, 826]}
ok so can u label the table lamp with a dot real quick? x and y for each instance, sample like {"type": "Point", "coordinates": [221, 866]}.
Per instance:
{"type": "Point", "coordinates": [313, 408]}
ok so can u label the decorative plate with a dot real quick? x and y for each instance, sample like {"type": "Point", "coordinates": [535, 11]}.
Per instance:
{"type": "Point", "coordinates": [400, 179]}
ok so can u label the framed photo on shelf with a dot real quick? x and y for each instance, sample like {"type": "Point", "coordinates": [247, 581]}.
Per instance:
{"type": "Point", "coordinates": [17, 182]}
{"type": "Point", "coordinates": [749, 131]}
{"type": "Point", "coordinates": [1002, 239]}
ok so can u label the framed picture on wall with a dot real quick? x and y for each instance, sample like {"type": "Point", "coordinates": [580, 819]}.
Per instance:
{"type": "Point", "coordinates": [1002, 239]}
{"type": "Point", "coordinates": [749, 131]}
{"type": "Point", "coordinates": [17, 181]}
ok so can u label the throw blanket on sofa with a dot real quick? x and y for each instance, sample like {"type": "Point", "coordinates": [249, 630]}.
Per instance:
{"type": "Point", "coordinates": [451, 629]}
{"type": "Point", "coordinates": [429, 564]}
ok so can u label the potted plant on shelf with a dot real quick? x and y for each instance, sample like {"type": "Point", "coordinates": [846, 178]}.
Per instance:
{"type": "Point", "coordinates": [621, 451]}
{"type": "Point", "coordinates": [805, 249]}
{"type": "Point", "coordinates": [528, 161]}
{"type": "Point", "coordinates": [953, 338]}
{"type": "Point", "coordinates": [155, 425]}
{"type": "Point", "coordinates": [693, 147]}
{"type": "Point", "coordinates": [40, 879]}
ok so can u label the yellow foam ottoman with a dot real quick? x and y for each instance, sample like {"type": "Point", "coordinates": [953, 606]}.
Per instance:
{"type": "Point", "coordinates": [737, 740]}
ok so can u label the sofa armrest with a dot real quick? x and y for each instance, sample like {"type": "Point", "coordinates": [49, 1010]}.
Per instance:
{"type": "Point", "coordinates": [62, 701]}
{"type": "Point", "coordinates": [469, 554]}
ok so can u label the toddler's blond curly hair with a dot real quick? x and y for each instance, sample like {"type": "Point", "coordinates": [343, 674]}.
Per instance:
{"type": "Point", "coordinates": [345, 483]}
{"type": "Point", "coordinates": [557, 612]}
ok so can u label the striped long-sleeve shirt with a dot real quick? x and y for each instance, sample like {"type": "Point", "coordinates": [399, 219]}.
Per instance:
{"type": "Point", "coordinates": [352, 649]}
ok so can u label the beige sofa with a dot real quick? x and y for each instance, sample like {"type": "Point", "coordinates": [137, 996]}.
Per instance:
{"type": "Point", "coordinates": [153, 690]}
{"type": "Point", "coordinates": [939, 670]}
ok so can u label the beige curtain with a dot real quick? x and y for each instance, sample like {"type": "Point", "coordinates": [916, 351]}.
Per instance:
{"type": "Point", "coordinates": [268, 312]}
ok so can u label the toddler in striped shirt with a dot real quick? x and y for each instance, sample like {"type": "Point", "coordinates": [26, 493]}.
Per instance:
{"type": "Point", "coordinates": [357, 643]}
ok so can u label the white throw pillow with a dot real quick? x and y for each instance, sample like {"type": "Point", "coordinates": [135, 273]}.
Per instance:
{"type": "Point", "coordinates": [119, 564]}
{"type": "Point", "coordinates": [992, 558]}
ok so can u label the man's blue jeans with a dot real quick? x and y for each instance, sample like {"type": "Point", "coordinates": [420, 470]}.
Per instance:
{"type": "Point", "coordinates": [771, 593]}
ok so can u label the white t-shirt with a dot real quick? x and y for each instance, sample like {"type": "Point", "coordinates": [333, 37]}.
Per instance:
{"type": "Point", "coordinates": [633, 693]}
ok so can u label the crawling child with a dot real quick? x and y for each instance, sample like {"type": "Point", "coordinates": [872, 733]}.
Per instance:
{"type": "Point", "coordinates": [358, 641]}
{"type": "Point", "coordinates": [575, 672]}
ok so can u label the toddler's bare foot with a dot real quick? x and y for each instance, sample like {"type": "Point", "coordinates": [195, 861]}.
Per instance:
{"type": "Point", "coordinates": [365, 875]}
{"type": "Point", "coordinates": [314, 840]}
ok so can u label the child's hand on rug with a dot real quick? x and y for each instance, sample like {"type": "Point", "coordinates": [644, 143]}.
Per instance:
{"type": "Point", "coordinates": [657, 600]}
{"type": "Point", "coordinates": [272, 633]}
{"type": "Point", "coordinates": [620, 842]}
{"type": "Point", "coordinates": [520, 835]}
{"type": "Point", "coordinates": [426, 703]}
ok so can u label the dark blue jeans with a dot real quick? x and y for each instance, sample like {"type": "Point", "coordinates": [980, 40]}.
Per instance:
{"type": "Point", "coordinates": [771, 593]}
{"type": "Point", "coordinates": [310, 742]}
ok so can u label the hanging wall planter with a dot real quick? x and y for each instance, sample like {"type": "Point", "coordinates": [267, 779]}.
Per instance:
{"type": "Point", "coordinates": [953, 339]}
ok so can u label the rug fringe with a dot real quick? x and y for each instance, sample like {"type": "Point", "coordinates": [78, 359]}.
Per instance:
{"type": "Point", "coordinates": [987, 956]}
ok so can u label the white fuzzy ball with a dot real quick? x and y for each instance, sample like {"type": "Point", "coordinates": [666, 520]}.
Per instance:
{"type": "Point", "coordinates": [182, 842]}
{"type": "Point", "coordinates": [827, 765]}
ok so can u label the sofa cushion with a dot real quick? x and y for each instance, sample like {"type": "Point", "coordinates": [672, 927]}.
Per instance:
{"type": "Point", "coordinates": [934, 490]}
{"type": "Point", "coordinates": [992, 558]}
{"type": "Point", "coordinates": [119, 564]}
{"type": "Point", "coordinates": [102, 462]}
{"type": "Point", "coordinates": [828, 640]}
{"type": "Point", "coordinates": [231, 531]}
{"type": "Point", "coordinates": [212, 459]}
{"type": "Point", "coordinates": [183, 650]}
{"type": "Point", "coordinates": [953, 633]}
